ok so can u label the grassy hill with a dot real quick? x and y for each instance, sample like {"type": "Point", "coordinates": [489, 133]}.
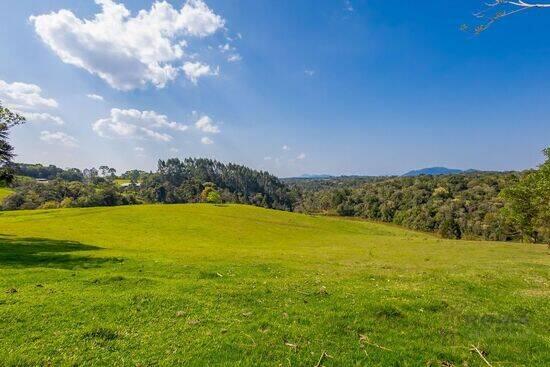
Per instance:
{"type": "Point", "coordinates": [238, 285]}
{"type": "Point", "coordinates": [5, 192]}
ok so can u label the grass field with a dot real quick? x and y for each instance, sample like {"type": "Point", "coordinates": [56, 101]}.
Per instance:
{"type": "Point", "coordinates": [4, 192]}
{"type": "Point", "coordinates": [122, 181]}
{"type": "Point", "coordinates": [204, 285]}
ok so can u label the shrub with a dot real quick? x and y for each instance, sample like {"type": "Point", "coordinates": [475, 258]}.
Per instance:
{"type": "Point", "coordinates": [52, 204]}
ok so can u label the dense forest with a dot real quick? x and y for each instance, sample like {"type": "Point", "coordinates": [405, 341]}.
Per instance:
{"type": "Point", "coordinates": [455, 206]}
{"type": "Point", "coordinates": [476, 205]}
{"type": "Point", "coordinates": [175, 181]}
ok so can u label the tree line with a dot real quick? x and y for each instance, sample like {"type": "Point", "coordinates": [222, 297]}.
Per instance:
{"type": "Point", "coordinates": [509, 206]}
{"type": "Point", "coordinates": [175, 181]}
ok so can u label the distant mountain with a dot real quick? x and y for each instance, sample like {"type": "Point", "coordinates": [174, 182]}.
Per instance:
{"type": "Point", "coordinates": [315, 176]}
{"type": "Point", "coordinates": [435, 171]}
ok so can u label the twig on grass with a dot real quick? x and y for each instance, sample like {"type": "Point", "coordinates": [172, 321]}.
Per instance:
{"type": "Point", "coordinates": [323, 356]}
{"type": "Point", "coordinates": [365, 339]}
{"type": "Point", "coordinates": [290, 345]}
{"type": "Point", "coordinates": [474, 348]}
{"type": "Point", "coordinates": [251, 338]}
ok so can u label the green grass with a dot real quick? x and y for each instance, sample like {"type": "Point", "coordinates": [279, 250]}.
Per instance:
{"type": "Point", "coordinates": [4, 193]}
{"type": "Point", "coordinates": [122, 181]}
{"type": "Point", "coordinates": [204, 285]}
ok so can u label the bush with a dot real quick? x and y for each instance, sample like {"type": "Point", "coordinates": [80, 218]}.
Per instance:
{"type": "Point", "coordinates": [49, 205]}
{"type": "Point", "coordinates": [66, 203]}
{"type": "Point", "coordinates": [213, 197]}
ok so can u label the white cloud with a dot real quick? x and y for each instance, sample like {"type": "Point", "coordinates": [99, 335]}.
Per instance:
{"type": "Point", "coordinates": [195, 70]}
{"type": "Point", "coordinates": [139, 149]}
{"type": "Point", "coordinates": [95, 97]}
{"type": "Point", "coordinates": [136, 124]}
{"type": "Point", "coordinates": [286, 148]}
{"type": "Point", "coordinates": [23, 96]}
{"type": "Point", "coordinates": [27, 100]}
{"type": "Point", "coordinates": [42, 117]}
{"type": "Point", "coordinates": [348, 6]}
{"type": "Point", "coordinates": [206, 140]}
{"type": "Point", "coordinates": [268, 158]}
{"type": "Point", "coordinates": [225, 48]}
{"type": "Point", "coordinates": [58, 138]}
{"type": "Point", "coordinates": [127, 51]}
{"type": "Point", "coordinates": [205, 124]}
{"type": "Point", "coordinates": [301, 156]}
{"type": "Point", "coordinates": [309, 72]}
{"type": "Point", "coordinates": [234, 58]}
{"type": "Point", "coordinates": [174, 150]}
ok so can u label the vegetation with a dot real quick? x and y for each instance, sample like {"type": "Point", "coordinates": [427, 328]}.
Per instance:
{"type": "Point", "coordinates": [510, 206]}
{"type": "Point", "coordinates": [499, 9]}
{"type": "Point", "coordinates": [8, 119]}
{"type": "Point", "coordinates": [179, 181]}
{"type": "Point", "coordinates": [237, 285]}
{"type": "Point", "coordinates": [528, 203]}
{"type": "Point", "coordinates": [455, 206]}
{"type": "Point", "coordinates": [188, 181]}
{"type": "Point", "coordinates": [478, 205]}
{"type": "Point", "coordinates": [5, 192]}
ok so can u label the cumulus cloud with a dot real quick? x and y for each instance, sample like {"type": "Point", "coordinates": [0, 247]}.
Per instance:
{"type": "Point", "coordinates": [195, 70]}
{"type": "Point", "coordinates": [301, 156]}
{"type": "Point", "coordinates": [206, 124]}
{"type": "Point", "coordinates": [206, 140]}
{"type": "Point", "coordinates": [27, 100]}
{"type": "Point", "coordinates": [309, 72]}
{"type": "Point", "coordinates": [95, 97]}
{"type": "Point", "coordinates": [286, 148]}
{"type": "Point", "coordinates": [128, 51]}
{"type": "Point", "coordinates": [135, 124]}
{"type": "Point", "coordinates": [59, 138]}
{"type": "Point", "coordinates": [23, 96]}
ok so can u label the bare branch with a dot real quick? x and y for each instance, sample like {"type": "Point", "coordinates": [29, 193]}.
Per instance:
{"type": "Point", "coordinates": [500, 9]}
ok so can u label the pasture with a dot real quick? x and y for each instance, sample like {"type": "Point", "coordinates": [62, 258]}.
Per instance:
{"type": "Point", "coordinates": [233, 285]}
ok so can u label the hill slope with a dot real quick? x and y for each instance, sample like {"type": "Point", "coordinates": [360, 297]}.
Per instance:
{"type": "Point", "coordinates": [5, 192]}
{"type": "Point", "coordinates": [238, 285]}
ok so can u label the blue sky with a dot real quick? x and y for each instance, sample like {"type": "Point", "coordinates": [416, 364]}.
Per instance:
{"type": "Point", "coordinates": [342, 87]}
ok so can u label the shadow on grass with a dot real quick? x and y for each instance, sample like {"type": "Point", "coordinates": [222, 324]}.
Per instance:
{"type": "Point", "coordinates": [48, 253]}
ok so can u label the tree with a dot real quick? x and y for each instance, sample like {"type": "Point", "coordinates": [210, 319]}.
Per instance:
{"type": "Point", "coordinates": [208, 188]}
{"type": "Point", "coordinates": [107, 171]}
{"type": "Point", "coordinates": [214, 197]}
{"type": "Point", "coordinates": [528, 203]}
{"type": "Point", "coordinates": [499, 9]}
{"type": "Point", "coordinates": [90, 174]}
{"type": "Point", "coordinates": [8, 119]}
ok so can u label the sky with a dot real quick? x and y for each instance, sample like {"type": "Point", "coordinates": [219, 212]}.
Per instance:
{"type": "Point", "coordinates": [358, 87]}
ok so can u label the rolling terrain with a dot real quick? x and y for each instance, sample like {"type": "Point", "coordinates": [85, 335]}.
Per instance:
{"type": "Point", "coordinates": [235, 285]}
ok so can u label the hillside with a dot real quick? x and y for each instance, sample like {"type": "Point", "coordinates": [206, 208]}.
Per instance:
{"type": "Point", "coordinates": [239, 285]}
{"type": "Point", "coordinates": [5, 192]}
